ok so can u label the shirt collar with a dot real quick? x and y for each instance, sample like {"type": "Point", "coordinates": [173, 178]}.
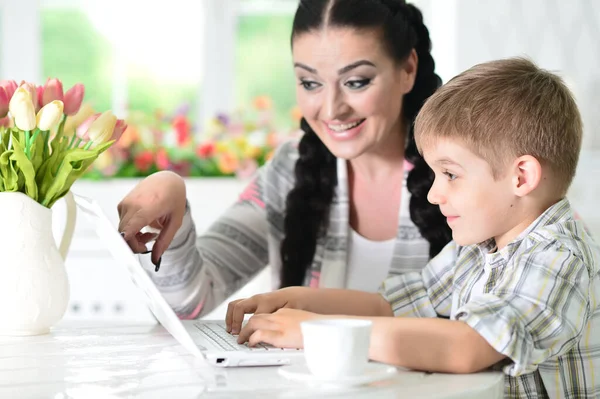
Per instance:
{"type": "Point", "coordinates": [561, 211]}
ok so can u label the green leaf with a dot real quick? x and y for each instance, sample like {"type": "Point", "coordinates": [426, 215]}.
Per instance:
{"type": "Point", "coordinates": [47, 171]}
{"type": "Point", "coordinates": [10, 178]}
{"type": "Point", "coordinates": [5, 137]}
{"type": "Point", "coordinates": [74, 165]}
{"type": "Point", "coordinates": [37, 150]}
{"type": "Point", "coordinates": [26, 169]}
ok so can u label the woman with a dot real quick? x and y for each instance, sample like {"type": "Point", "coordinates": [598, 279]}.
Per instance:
{"type": "Point", "coordinates": [346, 206]}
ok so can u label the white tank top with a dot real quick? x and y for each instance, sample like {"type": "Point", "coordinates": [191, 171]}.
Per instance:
{"type": "Point", "coordinates": [368, 262]}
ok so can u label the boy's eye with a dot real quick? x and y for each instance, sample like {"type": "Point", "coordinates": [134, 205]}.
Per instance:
{"type": "Point", "coordinates": [358, 84]}
{"type": "Point", "coordinates": [309, 85]}
{"type": "Point", "coordinates": [450, 176]}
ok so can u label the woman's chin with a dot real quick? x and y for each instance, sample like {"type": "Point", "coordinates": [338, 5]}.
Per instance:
{"type": "Point", "coordinates": [346, 151]}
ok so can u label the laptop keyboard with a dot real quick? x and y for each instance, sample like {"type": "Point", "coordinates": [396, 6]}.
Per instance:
{"type": "Point", "coordinates": [216, 333]}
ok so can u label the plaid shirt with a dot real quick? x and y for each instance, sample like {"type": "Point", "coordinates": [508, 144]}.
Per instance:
{"type": "Point", "coordinates": [538, 305]}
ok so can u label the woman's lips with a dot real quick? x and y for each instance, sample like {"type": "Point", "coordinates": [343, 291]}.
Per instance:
{"type": "Point", "coordinates": [346, 134]}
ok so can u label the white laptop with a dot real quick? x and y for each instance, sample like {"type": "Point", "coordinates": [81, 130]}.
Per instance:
{"type": "Point", "coordinates": [203, 338]}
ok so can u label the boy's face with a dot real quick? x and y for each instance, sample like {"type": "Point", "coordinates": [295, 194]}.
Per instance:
{"type": "Point", "coordinates": [476, 206]}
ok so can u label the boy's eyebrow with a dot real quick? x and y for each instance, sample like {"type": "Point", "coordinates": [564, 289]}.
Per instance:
{"type": "Point", "coordinates": [447, 162]}
{"type": "Point", "coordinates": [341, 71]}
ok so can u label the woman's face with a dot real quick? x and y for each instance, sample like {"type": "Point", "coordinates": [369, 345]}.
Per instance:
{"type": "Point", "coordinates": [349, 89]}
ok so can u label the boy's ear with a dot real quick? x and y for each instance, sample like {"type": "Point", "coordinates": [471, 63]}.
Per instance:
{"type": "Point", "coordinates": [527, 174]}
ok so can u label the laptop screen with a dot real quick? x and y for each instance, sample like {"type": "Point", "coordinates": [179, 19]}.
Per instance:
{"type": "Point", "coordinates": [120, 251]}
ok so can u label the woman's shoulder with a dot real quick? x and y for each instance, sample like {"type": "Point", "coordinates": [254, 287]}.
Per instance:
{"type": "Point", "coordinates": [284, 161]}
{"type": "Point", "coordinates": [286, 155]}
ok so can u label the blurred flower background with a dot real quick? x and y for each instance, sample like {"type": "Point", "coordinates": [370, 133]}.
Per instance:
{"type": "Point", "coordinates": [233, 144]}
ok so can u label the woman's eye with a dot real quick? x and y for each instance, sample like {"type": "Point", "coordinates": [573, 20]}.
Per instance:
{"type": "Point", "coordinates": [309, 85]}
{"type": "Point", "coordinates": [358, 84]}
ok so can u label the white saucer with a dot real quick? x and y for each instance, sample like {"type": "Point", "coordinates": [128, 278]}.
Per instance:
{"type": "Point", "coordinates": [373, 372]}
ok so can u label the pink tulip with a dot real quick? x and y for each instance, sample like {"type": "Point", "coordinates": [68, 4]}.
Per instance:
{"type": "Point", "coordinates": [119, 129]}
{"type": "Point", "coordinates": [5, 122]}
{"type": "Point", "coordinates": [53, 90]}
{"type": "Point", "coordinates": [10, 86]}
{"type": "Point", "coordinates": [3, 102]}
{"type": "Point", "coordinates": [82, 129]}
{"type": "Point", "coordinates": [73, 99]}
{"type": "Point", "coordinates": [40, 95]}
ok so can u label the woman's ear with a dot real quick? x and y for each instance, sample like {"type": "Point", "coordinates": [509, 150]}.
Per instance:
{"type": "Point", "coordinates": [408, 71]}
{"type": "Point", "coordinates": [527, 174]}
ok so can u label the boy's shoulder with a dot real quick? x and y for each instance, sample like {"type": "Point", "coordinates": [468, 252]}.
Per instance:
{"type": "Point", "coordinates": [566, 235]}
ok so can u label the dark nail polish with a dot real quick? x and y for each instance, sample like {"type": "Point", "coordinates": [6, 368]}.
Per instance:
{"type": "Point", "coordinates": [149, 251]}
{"type": "Point", "coordinates": [158, 264]}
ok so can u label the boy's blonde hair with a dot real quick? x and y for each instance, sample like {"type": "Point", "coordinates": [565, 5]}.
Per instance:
{"type": "Point", "coordinates": [505, 109]}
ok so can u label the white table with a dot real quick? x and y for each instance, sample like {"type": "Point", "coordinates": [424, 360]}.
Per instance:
{"type": "Point", "coordinates": [144, 361]}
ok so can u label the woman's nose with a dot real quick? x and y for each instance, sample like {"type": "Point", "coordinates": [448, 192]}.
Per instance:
{"type": "Point", "coordinates": [335, 105]}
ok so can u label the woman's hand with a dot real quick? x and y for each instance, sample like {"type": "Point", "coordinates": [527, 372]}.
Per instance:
{"type": "Point", "coordinates": [157, 201]}
{"type": "Point", "coordinates": [280, 329]}
{"type": "Point", "coordinates": [292, 297]}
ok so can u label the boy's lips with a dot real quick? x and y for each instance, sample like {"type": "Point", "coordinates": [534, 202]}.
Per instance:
{"type": "Point", "coordinates": [450, 218]}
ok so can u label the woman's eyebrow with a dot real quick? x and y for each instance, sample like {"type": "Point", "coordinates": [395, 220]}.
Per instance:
{"type": "Point", "coordinates": [341, 71]}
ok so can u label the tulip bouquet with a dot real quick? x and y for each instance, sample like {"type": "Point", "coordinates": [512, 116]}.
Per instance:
{"type": "Point", "coordinates": [38, 156]}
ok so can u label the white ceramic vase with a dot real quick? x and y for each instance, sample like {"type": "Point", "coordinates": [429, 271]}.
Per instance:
{"type": "Point", "coordinates": [34, 289]}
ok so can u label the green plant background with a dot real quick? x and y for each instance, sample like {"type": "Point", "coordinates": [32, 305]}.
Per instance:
{"type": "Point", "coordinates": [263, 64]}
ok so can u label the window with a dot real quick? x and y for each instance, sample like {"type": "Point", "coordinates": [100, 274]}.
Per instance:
{"type": "Point", "coordinates": [85, 56]}
{"type": "Point", "coordinates": [126, 60]}
{"type": "Point", "coordinates": [263, 63]}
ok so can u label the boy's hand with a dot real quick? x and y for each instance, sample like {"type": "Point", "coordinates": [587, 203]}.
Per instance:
{"type": "Point", "coordinates": [280, 329]}
{"type": "Point", "coordinates": [291, 298]}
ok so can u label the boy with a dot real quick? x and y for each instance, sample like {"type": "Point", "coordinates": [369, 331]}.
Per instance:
{"type": "Point", "coordinates": [518, 287]}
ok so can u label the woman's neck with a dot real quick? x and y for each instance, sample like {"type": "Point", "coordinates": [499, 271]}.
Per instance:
{"type": "Point", "coordinates": [384, 160]}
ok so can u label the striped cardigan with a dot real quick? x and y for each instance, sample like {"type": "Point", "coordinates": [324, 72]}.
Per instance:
{"type": "Point", "coordinates": [198, 273]}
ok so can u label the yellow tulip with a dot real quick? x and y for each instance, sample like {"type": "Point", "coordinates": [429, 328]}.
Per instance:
{"type": "Point", "coordinates": [21, 94]}
{"type": "Point", "coordinates": [101, 129]}
{"type": "Point", "coordinates": [50, 115]}
{"type": "Point", "coordinates": [23, 111]}
{"type": "Point", "coordinates": [75, 120]}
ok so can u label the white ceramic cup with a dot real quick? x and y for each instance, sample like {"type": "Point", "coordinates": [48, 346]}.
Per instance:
{"type": "Point", "coordinates": [335, 348]}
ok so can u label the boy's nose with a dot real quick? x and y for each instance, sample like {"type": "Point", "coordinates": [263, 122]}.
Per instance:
{"type": "Point", "coordinates": [434, 196]}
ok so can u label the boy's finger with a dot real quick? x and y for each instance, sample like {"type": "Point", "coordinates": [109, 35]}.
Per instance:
{"type": "Point", "coordinates": [229, 315]}
{"type": "Point", "coordinates": [257, 322]}
{"type": "Point", "coordinates": [270, 337]}
{"type": "Point", "coordinates": [239, 311]}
